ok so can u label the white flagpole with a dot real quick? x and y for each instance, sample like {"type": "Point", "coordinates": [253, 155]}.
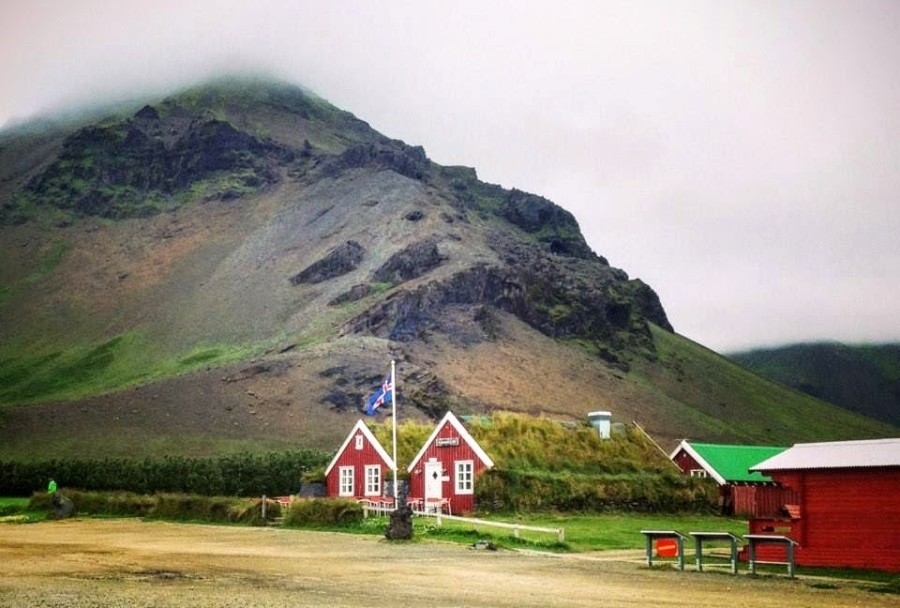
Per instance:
{"type": "Point", "coordinates": [394, 418]}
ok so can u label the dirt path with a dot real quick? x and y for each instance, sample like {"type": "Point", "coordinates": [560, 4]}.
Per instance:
{"type": "Point", "coordinates": [85, 563]}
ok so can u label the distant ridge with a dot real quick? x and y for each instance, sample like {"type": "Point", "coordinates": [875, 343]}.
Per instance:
{"type": "Point", "coordinates": [863, 379]}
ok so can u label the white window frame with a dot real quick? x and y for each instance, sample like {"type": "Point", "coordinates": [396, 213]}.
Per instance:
{"type": "Point", "coordinates": [701, 473]}
{"type": "Point", "coordinates": [373, 480]}
{"type": "Point", "coordinates": [464, 477]}
{"type": "Point", "coordinates": [346, 481]}
{"type": "Point", "coordinates": [359, 442]}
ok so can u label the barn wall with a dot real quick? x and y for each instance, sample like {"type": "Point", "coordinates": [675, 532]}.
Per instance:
{"type": "Point", "coordinates": [848, 518]}
{"type": "Point", "coordinates": [357, 459]}
{"type": "Point", "coordinates": [762, 500]}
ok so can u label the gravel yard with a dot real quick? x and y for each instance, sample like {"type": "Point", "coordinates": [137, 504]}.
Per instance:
{"type": "Point", "coordinates": [127, 562]}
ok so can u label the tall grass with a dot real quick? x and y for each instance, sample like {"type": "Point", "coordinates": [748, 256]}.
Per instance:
{"type": "Point", "coordinates": [324, 512]}
{"type": "Point", "coordinates": [169, 506]}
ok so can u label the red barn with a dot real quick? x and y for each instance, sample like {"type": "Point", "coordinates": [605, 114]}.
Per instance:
{"type": "Point", "coordinates": [741, 491]}
{"type": "Point", "coordinates": [360, 467]}
{"type": "Point", "coordinates": [848, 508]}
{"type": "Point", "coordinates": [446, 467]}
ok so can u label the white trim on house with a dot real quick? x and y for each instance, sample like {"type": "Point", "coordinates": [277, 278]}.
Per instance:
{"type": "Point", "coordinates": [467, 475]}
{"type": "Point", "coordinates": [361, 427]}
{"type": "Point", "coordinates": [346, 480]}
{"type": "Point", "coordinates": [372, 479]}
{"type": "Point", "coordinates": [450, 418]}
{"type": "Point", "coordinates": [684, 445]}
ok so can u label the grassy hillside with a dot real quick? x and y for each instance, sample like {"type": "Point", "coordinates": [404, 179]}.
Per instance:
{"type": "Point", "coordinates": [863, 379]}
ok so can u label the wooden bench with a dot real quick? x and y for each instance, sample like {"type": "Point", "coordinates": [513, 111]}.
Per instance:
{"type": "Point", "coordinates": [760, 539]}
{"type": "Point", "coordinates": [678, 537]}
{"type": "Point", "coordinates": [699, 537]}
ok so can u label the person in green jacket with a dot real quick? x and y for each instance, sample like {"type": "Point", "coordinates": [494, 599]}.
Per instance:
{"type": "Point", "coordinates": [51, 487]}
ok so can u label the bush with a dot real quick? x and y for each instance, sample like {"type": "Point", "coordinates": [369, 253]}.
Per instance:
{"type": "Point", "coordinates": [183, 507]}
{"type": "Point", "coordinates": [323, 512]}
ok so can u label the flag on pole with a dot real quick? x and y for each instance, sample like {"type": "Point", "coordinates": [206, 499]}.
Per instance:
{"type": "Point", "coordinates": [384, 394]}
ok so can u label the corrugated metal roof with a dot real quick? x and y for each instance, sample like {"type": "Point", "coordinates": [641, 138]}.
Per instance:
{"type": "Point", "coordinates": [729, 463]}
{"type": "Point", "coordinates": [836, 455]}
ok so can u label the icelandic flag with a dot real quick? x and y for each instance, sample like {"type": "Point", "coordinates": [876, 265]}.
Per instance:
{"type": "Point", "coordinates": [384, 394]}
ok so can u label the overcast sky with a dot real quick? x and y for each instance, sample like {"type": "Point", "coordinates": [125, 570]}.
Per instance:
{"type": "Point", "coordinates": [743, 158]}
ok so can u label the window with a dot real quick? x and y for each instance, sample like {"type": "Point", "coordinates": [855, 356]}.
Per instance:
{"type": "Point", "coordinates": [346, 481]}
{"type": "Point", "coordinates": [699, 473]}
{"type": "Point", "coordinates": [465, 477]}
{"type": "Point", "coordinates": [373, 480]}
{"type": "Point", "coordinates": [359, 442]}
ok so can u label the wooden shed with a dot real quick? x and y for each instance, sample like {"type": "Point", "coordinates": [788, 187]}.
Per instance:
{"type": "Point", "coordinates": [847, 512]}
{"type": "Point", "coordinates": [741, 491]}
{"type": "Point", "coordinates": [445, 469]}
{"type": "Point", "coordinates": [360, 467]}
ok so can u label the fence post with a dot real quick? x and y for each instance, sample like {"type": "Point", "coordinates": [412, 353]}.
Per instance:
{"type": "Point", "coordinates": [264, 507]}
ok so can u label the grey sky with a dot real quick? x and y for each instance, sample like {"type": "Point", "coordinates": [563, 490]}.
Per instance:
{"type": "Point", "coordinates": [743, 158]}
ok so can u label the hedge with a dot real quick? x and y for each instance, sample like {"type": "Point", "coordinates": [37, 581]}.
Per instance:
{"type": "Point", "coordinates": [274, 474]}
{"type": "Point", "coordinates": [186, 507]}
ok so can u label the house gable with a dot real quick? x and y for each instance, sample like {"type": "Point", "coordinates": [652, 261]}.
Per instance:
{"type": "Point", "coordinates": [728, 463]}
{"type": "Point", "coordinates": [360, 429]}
{"type": "Point", "coordinates": [453, 421]}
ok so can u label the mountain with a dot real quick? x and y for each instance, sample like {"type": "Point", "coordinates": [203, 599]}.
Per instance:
{"type": "Point", "coordinates": [234, 266]}
{"type": "Point", "coordinates": [863, 379]}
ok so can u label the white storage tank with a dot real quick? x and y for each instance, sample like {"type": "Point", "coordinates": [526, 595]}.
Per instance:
{"type": "Point", "coordinates": [601, 422]}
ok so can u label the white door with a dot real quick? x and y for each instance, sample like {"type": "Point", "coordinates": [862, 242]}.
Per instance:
{"type": "Point", "coordinates": [434, 487]}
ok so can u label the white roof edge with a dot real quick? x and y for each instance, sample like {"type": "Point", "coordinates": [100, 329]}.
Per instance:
{"type": "Point", "coordinates": [686, 446]}
{"type": "Point", "coordinates": [361, 427]}
{"type": "Point", "coordinates": [852, 454]}
{"type": "Point", "coordinates": [453, 420]}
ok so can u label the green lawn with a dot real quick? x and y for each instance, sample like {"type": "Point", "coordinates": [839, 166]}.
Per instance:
{"type": "Point", "coordinates": [590, 532]}
{"type": "Point", "coordinates": [623, 531]}
{"type": "Point", "coordinates": [14, 502]}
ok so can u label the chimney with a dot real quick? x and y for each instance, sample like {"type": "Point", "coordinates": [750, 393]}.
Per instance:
{"type": "Point", "coordinates": [601, 422]}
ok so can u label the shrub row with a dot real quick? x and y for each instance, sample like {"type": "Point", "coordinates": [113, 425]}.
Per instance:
{"type": "Point", "coordinates": [187, 507]}
{"type": "Point", "coordinates": [323, 512]}
{"type": "Point", "coordinates": [517, 491]}
{"type": "Point", "coordinates": [275, 473]}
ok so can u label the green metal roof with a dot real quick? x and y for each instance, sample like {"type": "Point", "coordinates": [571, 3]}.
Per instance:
{"type": "Point", "coordinates": [733, 461]}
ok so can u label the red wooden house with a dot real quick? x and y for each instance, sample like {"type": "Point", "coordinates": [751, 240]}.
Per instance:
{"type": "Point", "coordinates": [445, 469]}
{"type": "Point", "coordinates": [741, 491]}
{"type": "Point", "coordinates": [360, 467]}
{"type": "Point", "coordinates": [848, 508]}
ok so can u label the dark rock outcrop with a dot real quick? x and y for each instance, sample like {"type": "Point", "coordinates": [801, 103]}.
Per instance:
{"type": "Point", "coordinates": [132, 167]}
{"type": "Point", "coordinates": [339, 261]}
{"type": "Point", "coordinates": [410, 262]}
{"type": "Point", "coordinates": [560, 297]}
{"type": "Point", "coordinates": [553, 224]}
{"type": "Point", "coordinates": [357, 292]}
{"type": "Point", "coordinates": [391, 154]}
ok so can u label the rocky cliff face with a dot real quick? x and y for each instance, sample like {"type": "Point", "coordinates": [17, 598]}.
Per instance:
{"type": "Point", "coordinates": [260, 219]}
